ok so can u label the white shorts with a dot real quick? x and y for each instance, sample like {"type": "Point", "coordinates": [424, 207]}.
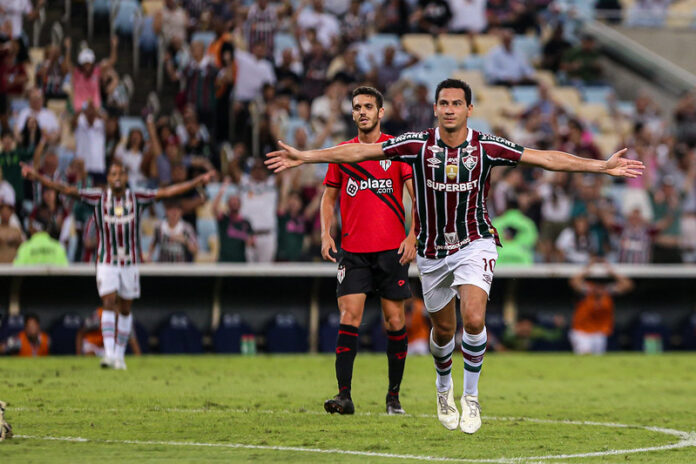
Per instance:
{"type": "Point", "coordinates": [588, 343]}
{"type": "Point", "coordinates": [124, 280]}
{"type": "Point", "coordinates": [472, 265]}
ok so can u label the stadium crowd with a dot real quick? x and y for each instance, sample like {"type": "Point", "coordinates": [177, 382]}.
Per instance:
{"type": "Point", "coordinates": [246, 74]}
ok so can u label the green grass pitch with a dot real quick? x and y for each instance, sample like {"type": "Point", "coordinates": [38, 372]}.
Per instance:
{"type": "Point", "coordinates": [534, 406]}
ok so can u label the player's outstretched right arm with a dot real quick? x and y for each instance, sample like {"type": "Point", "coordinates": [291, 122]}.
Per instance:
{"type": "Point", "coordinates": [30, 173]}
{"type": "Point", "coordinates": [290, 157]}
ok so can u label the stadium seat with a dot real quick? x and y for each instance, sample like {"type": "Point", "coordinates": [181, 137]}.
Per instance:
{"type": "Point", "coordinates": [527, 46]}
{"type": "Point", "coordinates": [607, 143]}
{"type": "Point", "coordinates": [592, 112]}
{"type": "Point", "coordinates": [64, 332]}
{"type": "Point", "coordinates": [205, 228]}
{"type": "Point", "coordinates": [439, 63]}
{"type": "Point", "coordinates": [11, 325]}
{"type": "Point", "coordinates": [545, 77]}
{"type": "Point", "coordinates": [384, 40]}
{"type": "Point", "coordinates": [473, 77]}
{"type": "Point", "coordinates": [126, 123]}
{"type": "Point", "coordinates": [420, 45]}
{"type": "Point", "coordinates": [282, 41]}
{"type": "Point", "coordinates": [567, 96]}
{"type": "Point", "coordinates": [650, 332]}
{"type": "Point", "coordinates": [454, 45]}
{"type": "Point", "coordinates": [525, 94]}
{"type": "Point", "coordinates": [228, 336]}
{"type": "Point", "coordinates": [285, 335]}
{"type": "Point", "coordinates": [328, 331]}
{"type": "Point", "coordinates": [627, 108]}
{"type": "Point", "coordinates": [474, 62]}
{"type": "Point", "coordinates": [483, 43]}
{"type": "Point", "coordinates": [494, 96]}
{"type": "Point", "coordinates": [143, 337]}
{"type": "Point", "coordinates": [206, 37]}
{"type": "Point", "coordinates": [598, 94]}
{"type": "Point", "coordinates": [125, 17]}
{"type": "Point", "coordinates": [179, 335]}
{"type": "Point", "coordinates": [102, 7]}
{"type": "Point", "coordinates": [150, 7]}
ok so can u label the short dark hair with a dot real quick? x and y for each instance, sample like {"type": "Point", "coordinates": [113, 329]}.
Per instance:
{"type": "Point", "coordinates": [454, 84]}
{"type": "Point", "coordinates": [31, 316]}
{"type": "Point", "coordinates": [116, 162]}
{"type": "Point", "coordinates": [366, 90]}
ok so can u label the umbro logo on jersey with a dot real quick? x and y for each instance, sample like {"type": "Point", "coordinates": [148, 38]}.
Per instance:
{"type": "Point", "coordinates": [385, 164]}
{"type": "Point", "coordinates": [434, 162]}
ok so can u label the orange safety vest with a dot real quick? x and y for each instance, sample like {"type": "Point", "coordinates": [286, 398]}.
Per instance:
{"type": "Point", "coordinates": [595, 313]}
{"type": "Point", "coordinates": [418, 329]}
{"type": "Point", "coordinates": [95, 336]}
{"type": "Point", "coordinates": [28, 350]}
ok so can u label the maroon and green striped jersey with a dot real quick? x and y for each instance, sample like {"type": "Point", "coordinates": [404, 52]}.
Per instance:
{"type": "Point", "coordinates": [451, 185]}
{"type": "Point", "coordinates": [117, 219]}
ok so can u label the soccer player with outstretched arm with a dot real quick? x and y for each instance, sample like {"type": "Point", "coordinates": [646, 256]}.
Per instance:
{"type": "Point", "coordinates": [117, 214]}
{"type": "Point", "coordinates": [374, 253]}
{"type": "Point", "coordinates": [456, 240]}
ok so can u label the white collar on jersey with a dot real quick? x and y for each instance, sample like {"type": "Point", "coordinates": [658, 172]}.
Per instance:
{"type": "Point", "coordinates": [469, 134]}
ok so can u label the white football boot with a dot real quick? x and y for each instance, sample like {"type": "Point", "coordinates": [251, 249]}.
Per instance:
{"type": "Point", "coordinates": [107, 363]}
{"type": "Point", "coordinates": [447, 411]}
{"type": "Point", "coordinates": [120, 365]}
{"type": "Point", "coordinates": [471, 414]}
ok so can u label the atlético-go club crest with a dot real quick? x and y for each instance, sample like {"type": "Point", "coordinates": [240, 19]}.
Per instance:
{"type": "Point", "coordinates": [385, 164]}
{"type": "Point", "coordinates": [341, 273]}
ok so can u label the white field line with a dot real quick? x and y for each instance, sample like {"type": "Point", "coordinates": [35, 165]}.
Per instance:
{"type": "Point", "coordinates": [687, 439]}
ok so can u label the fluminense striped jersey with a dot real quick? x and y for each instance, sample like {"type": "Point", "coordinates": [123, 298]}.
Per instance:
{"type": "Point", "coordinates": [451, 185]}
{"type": "Point", "coordinates": [117, 220]}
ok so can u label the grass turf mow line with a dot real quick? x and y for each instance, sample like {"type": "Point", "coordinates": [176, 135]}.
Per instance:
{"type": "Point", "coordinates": [687, 440]}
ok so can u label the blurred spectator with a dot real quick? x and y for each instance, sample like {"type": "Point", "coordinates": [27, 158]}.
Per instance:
{"type": "Point", "coordinates": [175, 239]}
{"type": "Point", "coordinates": [518, 235]}
{"type": "Point", "coordinates": [685, 119]}
{"type": "Point", "coordinates": [16, 10]}
{"type": "Point", "coordinates": [86, 77]}
{"type": "Point", "coordinates": [112, 137]}
{"type": "Point", "coordinates": [315, 63]}
{"type": "Point", "coordinates": [53, 70]}
{"type": "Point", "coordinates": [581, 63]}
{"type": "Point", "coordinates": [235, 232]}
{"type": "Point", "coordinates": [89, 340]}
{"type": "Point", "coordinates": [556, 206]}
{"type": "Point", "coordinates": [11, 156]}
{"type": "Point", "coordinates": [30, 342]}
{"type": "Point", "coordinates": [90, 141]}
{"type": "Point", "coordinates": [647, 13]}
{"type": "Point", "coordinates": [468, 16]}
{"type": "Point", "coordinates": [171, 23]}
{"type": "Point", "coordinates": [198, 80]}
{"type": "Point", "coordinates": [313, 17]}
{"type": "Point", "coordinates": [635, 237]}
{"type": "Point", "coordinates": [554, 50]}
{"type": "Point", "coordinates": [222, 43]}
{"type": "Point", "coordinates": [261, 26]}
{"type": "Point", "coordinates": [130, 154]}
{"type": "Point", "coordinates": [89, 242]}
{"type": "Point", "coordinates": [576, 243]}
{"type": "Point", "coordinates": [392, 17]}
{"type": "Point", "coordinates": [7, 193]}
{"type": "Point", "coordinates": [259, 198]}
{"type": "Point", "coordinates": [524, 334]}
{"type": "Point", "coordinates": [10, 235]}
{"type": "Point", "coordinates": [293, 222]}
{"type": "Point", "coordinates": [389, 71]}
{"type": "Point", "coordinates": [41, 249]}
{"type": "Point", "coordinates": [330, 110]}
{"type": "Point", "coordinates": [254, 70]}
{"type": "Point", "coordinates": [46, 120]}
{"type": "Point", "coordinates": [288, 72]}
{"type": "Point", "coordinates": [417, 327]}
{"type": "Point", "coordinates": [420, 110]}
{"type": "Point", "coordinates": [667, 204]}
{"type": "Point", "coordinates": [432, 16]}
{"type": "Point", "coordinates": [48, 215]}
{"type": "Point", "coordinates": [593, 320]}
{"type": "Point", "coordinates": [579, 142]}
{"type": "Point", "coordinates": [13, 74]}
{"type": "Point", "coordinates": [504, 66]}
{"type": "Point", "coordinates": [506, 190]}
{"type": "Point", "coordinates": [191, 200]}
{"type": "Point", "coordinates": [355, 22]}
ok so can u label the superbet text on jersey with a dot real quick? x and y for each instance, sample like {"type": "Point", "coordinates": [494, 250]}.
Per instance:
{"type": "Point", "coordinates": [371, 202]}
{"type": "Point", "coordinates": [451, 185]}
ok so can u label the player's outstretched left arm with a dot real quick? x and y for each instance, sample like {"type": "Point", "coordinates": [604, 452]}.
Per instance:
{"type": "Point", "coordinates": [290, 157]}
{"type": "Point", "coordinates": [616, 165]}
{"type": "Point", "coordinates": [29, 172]}
{"type": "Point", "coordinates": [183, 187]}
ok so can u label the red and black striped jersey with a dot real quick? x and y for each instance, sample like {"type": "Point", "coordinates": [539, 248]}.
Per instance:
{"type": "Point", "coordinates": [117, 219]}
{"type": "Point", "coordinates": [451, 185]}
{"type": "Point", "coordinates": [371, 202]}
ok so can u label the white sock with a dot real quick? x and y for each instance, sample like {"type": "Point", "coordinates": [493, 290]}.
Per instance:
{"type": "Point", "coordinates": [124, 329]}
{"type": "Point", "coordinates": [108, 329]}
{"type": "Point", "coordinates": [442, 355]}
{"type": "Point", "coordinates": [473, 349]}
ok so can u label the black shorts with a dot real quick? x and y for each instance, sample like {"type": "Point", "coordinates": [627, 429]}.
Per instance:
{"type": "Point", "coordinates": [379, 273]}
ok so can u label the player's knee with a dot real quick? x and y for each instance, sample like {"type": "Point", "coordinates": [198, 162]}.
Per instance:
{"type": "Point", "coordinates": [350, 316]}
{"type": "Point", "coordinates": [473, 324]}
{"type": "Point", "coordinates": [444, 330]}
{"type": "Point", "coordinates": [394, 322]}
